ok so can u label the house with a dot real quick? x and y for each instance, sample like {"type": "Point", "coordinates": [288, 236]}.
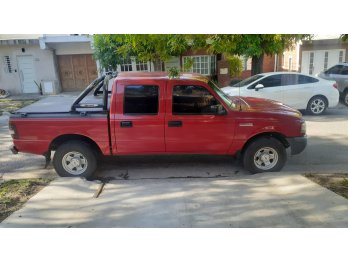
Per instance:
{"type": "Point", "coordinates": [321, 53]}
{"type": "Point", "coordinates": [56, 62]}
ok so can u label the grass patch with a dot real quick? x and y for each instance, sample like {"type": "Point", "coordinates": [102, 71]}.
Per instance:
{"type": "Point", "coordinates": [14, 193]}
{"type": "Point", "coordinates": [8, 105]}
{"type": "Point", "coordinates": [337, 183]}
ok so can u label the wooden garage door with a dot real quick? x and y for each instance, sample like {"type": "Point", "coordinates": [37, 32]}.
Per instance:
{"type": "Point", "coordinates": [76, 71]}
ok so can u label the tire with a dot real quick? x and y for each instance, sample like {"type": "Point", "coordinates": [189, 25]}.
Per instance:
{"type": "Point", "coordinates": [78, 153]}
{"type": "Point", "coordinates": [317, 105]}
{"type": "Point", "coordinates": [345, 97]}
{"type": "Point", "coordinates": [258, 155]}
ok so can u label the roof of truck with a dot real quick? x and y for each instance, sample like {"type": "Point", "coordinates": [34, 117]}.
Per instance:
{"type": "Point", "coordinates": [160, 75]}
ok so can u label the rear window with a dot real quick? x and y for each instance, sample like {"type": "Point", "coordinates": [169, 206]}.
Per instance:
{"type": "Point", "coordinates": [141, 99]}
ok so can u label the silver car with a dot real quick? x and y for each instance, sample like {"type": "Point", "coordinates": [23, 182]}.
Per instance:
{"type": "Point", "coordinates": [338, 73]}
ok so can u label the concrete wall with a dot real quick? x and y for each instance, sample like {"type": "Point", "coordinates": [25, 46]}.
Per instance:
{"type": "Point", "coordinates": [71, 48]}
{"type": "Point", "coordinates": [44, 66]}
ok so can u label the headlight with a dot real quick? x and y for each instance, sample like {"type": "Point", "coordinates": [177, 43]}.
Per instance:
{"type": "Point", "coordinates": [303, 128]}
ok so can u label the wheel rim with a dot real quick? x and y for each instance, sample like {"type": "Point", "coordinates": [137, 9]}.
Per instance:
{"type": "Point", "coordinates": [317, 106]}
{"type": "Point", "coordinates": [75, 163]}
{"type": "Point", "coordinates": [266, 158]}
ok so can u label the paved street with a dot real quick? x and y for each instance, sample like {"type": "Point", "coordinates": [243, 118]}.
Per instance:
{"type": "Point", "coordinates": [191, 191]}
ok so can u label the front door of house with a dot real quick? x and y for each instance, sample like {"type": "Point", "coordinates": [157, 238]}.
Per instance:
{"type": "Point", "coordinates": [27, 73]}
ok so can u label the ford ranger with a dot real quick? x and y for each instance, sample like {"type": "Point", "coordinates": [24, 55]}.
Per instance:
{"type": "Point", "coordinates": [151, 113]}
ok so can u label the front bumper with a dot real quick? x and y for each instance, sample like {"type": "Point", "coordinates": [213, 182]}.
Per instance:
{"type": "Point", "coordinates": [297, 144]}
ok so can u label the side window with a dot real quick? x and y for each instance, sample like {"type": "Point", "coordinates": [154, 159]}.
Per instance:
{"type": "Point", "coordinates": [190, 99]}
{"type": "Point", "coordinates": [141, 99]}
{"type": "Point", "coordinates": [302, 79]}
{"type": "Point", "coordinates": [344, 70]}
{"type": "Point", "coordinates": [334, 70]}
{"type": "Point", "coordinates": [289, 79]}
{"type": "Point", "coordinates": [271, 81]}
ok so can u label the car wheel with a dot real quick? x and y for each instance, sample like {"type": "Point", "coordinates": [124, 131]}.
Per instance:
{"type": "Point", "coordinates": [75, 159]}
{"type": "Point", "coordinates": [317, 105]}
{"type": "Point", "coordinates": [345, 97]}
{"type": "Point", "coordinates": [264, 155]}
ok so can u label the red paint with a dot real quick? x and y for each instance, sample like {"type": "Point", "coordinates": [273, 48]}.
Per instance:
{"type": "Point", "coordinates": [150, 134]}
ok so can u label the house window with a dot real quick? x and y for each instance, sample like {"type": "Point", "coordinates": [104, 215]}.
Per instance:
{"type": "Point", "coordinates": [126, 65]}
{"type": "Point", "coordinates": [142, 66]}
{"type": "Point", "coordinates": [340, 57]}
{"type": "Point", "coordinates": [203, 64]}
{"type": "Point", "coordinates": [326, 59]}
{"type": "Point", "coordinates": [311, 60]}
{"type": "Point", "coordinates": [8, 65]}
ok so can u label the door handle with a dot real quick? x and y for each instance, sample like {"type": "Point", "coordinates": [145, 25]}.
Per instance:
{"type": "Point", "coordinates": [126, 124]}
{"type": "Point", "coordinates": [174, 123]}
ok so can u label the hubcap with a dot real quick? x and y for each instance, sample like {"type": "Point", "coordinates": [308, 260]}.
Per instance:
{"type": "Point", "coordinates": [266, 158]}
{"type": "Point", "coordinates": [74, 163]}
{"type": "Point", "coordinates": [317, 106]}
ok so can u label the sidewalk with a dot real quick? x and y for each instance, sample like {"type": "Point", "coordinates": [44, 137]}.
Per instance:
{"type": "Point", "coordinates": [265, 200]}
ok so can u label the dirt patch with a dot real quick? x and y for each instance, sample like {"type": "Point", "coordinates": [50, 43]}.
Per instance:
{"type": "Point", "coordinates": [8, 105]}
{"type": "Point", "coordinates": [337, 183]}
{"type": "Point", "coordinates": [14, 193]}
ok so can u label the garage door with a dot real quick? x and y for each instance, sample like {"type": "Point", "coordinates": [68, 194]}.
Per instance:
{"type": "Point", "coordinates": [76, 71]}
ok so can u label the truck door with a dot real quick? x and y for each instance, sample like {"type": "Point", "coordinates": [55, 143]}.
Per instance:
{"type": "Point", "coordinates": [193, 123]}
{"type": "Point", "coordinates": [139, 118]}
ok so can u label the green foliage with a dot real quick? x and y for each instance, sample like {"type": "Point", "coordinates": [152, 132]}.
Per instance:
{"type": "Point", "coordinates": [187, 65]}
{"type": "Point", "coordinates": [344, 183]}
{"type": "Point", "coordinates": [111, 49]}
{"type": "Point", "coordinates": [173, 72]}
{"type": "Point", "coordinates": [235, 65]}
{"type": "Point", "coordinates": [344, 37]}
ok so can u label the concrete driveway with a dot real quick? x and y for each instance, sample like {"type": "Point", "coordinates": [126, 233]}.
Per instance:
{"type": "Point", "coordinates": [269, 200]}
{"type": "Point", "coordinates": [191, 191]}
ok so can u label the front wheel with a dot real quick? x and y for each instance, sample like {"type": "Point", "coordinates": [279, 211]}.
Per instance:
{"type": "Point", "coordinates": [317, 105]}
{"type": "Point", "coordinates": [264, 155]}
{"type": "Point", "coordinates": [75, 159]}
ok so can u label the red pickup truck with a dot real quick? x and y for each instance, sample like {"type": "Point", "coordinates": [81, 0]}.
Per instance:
{"type": "Point", "coordinates": [151, 113]}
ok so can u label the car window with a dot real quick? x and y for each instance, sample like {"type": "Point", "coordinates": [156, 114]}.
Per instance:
{"type": "Point", "coordinates": [344, 70]}
{"type": "Point", "coordinates": [141, 99]}
{"type": "Point", "coordinates": [247, 81]}
{"type": "Point", "coordinates": [289, 79]}
{"type": "Point", "coordinates": [192, 99]}
{"type": "Point", "coordinates": [270, 81]}
{"type": "Point", "coordinates": [303, 79]}
{"type": "Point", "coordinates": [334, 70]}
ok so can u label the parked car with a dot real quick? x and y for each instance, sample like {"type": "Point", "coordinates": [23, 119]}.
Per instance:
{"type": "Point", "coordinates": [338, 73]}
{"type": "Point", "coordinates": [150, 113]}
{"type": "Point", "coordinates": [300, 91]}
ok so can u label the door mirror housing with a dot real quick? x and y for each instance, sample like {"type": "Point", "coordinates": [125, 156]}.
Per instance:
{"type": "Point", "coordinates": [259, 86]}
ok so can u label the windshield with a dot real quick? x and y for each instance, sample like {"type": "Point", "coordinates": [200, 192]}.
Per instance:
{"type": "Point", "coordinates": [227, 99]}
{"type": "Point", "coordinates": [247, 81]}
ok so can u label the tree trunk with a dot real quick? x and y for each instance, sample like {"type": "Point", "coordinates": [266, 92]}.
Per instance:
{"type": "Point", "coordinates": [256, 65]}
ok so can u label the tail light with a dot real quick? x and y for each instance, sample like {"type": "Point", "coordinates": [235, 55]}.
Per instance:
{"type": "Point", "coordinates": [13, 130]}
{"type": "Point", "coordinates": [334, 85]}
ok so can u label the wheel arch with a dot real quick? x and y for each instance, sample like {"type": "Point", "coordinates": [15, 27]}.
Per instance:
{"type": "Point", "coordinates": [56, 142]}
{"type": "Point", "coordinates": [278, 136]}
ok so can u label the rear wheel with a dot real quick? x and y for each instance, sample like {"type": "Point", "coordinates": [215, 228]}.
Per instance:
{"type": "Point", "coordinates": [264, 155]}
{"type": "Point", "coordinates": [317, 105]}
{"type": "Point", "coordinates": [345, 97]}
{"type": "Point", "coordinates": [75, 159]}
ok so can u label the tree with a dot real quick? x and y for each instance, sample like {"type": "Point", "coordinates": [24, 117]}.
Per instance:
{"type": "Point", "coordinates": [253, 45]}
{"type": "Point", "coordinates": [110, 49]}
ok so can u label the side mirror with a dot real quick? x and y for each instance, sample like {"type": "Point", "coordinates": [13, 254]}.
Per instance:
{"type": "Point", "coordinates": [259, 86]}
{"type": "Point", "coordinates": [218, 109]}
